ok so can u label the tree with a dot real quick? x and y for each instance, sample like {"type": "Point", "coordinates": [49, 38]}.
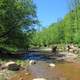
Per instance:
{"type": "Point", "coordinates": [16, 16]}
{"type": "Point", "coordinates": [66, 30]}
{"type": "Point", "coordinates": [75, 17]}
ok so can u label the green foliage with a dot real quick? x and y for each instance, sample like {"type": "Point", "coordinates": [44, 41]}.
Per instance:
{"type": "Point", "coordinates": [16, 20]}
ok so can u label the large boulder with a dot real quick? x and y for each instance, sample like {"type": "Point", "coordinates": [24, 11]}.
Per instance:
{"type": "Point", "coordinates": [72, 48]}
{"type": "Point", "coordinates": [9, 63]}
{"type": "Point", "coordinates": [14, 67]}
{"type": "Point", "coordinates": [54, 49]}
{"type": "Point", "coordinates": [11, 66]}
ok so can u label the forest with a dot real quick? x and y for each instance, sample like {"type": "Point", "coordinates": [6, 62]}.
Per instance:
{"type": "Point", "coordinates": [17, 21]}
{"type": "Point", "coordinates": [20, 19]}
{"type": "Point", "coordinates": [64, 31]}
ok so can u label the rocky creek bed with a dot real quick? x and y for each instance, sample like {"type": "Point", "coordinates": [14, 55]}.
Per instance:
{"type": "Point", "coordinates": [62, 71]}
{"type": "Point", "coordinates": [69, 70]}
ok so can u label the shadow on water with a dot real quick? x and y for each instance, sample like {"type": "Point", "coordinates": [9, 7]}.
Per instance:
{"type": "Point", "coordinates": [9, 56]}
{"type": "Point", "coordinates": [38, 56]}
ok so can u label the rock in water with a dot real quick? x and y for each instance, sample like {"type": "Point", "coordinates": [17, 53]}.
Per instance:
{"type": "Point", "coordinates": [9, 63]}
{"type": "Point", "coordinates": [14, 67]}
{"type": "Point", "coordinates": [52, 65]}
{"type": "Point", "coordinates": [39, 79]}
{"type": "Point", "coordinates": [31, 62]}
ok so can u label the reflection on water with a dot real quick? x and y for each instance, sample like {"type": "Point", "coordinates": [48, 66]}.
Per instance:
{"type": "Point", "coordinates": [37, 56]}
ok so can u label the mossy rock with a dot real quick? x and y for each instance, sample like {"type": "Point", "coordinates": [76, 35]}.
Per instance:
{"type": "Point", "coordinates": [14, 67]}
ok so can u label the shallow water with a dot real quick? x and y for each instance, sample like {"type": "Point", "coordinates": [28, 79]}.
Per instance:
{"type": "Point", "coordinates": [42, 70]}
{"type": "Point", "coordinates": [62, 70]}
{"type": "Point", "coordinates": [69, 70]}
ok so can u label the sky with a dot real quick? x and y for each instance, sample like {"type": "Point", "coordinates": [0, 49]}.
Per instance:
{"type": "Point", "coordinates": [49, 11]}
